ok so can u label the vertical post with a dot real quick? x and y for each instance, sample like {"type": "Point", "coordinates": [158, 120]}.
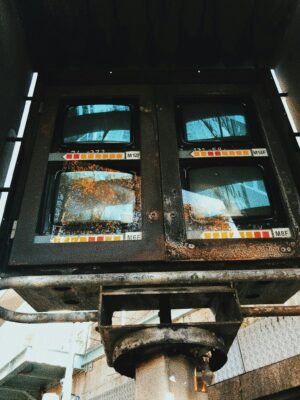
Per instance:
{"type": "Point", "coordinates": [167, 378]}
{"type": "Point", "coordinates": [165, 315]}
{"type": "Point", "coordinates": [68, 379]}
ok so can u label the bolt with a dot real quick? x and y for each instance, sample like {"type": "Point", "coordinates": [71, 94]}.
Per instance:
{"type": "Point", "coordinates": [145, 109]}
{"type": "Point", "coordinates": [153, 216]}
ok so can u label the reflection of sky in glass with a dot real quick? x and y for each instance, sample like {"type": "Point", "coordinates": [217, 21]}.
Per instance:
{"type": "Point", "coordinates": [107, 123]}
{"type": "Point", "coordinates": [207, 121]}
{"type": "Point", "coordinates": [216, 128]}
{"type": "Point", "coordinates": [228, 192]}
{"type": "Point", "coordinates": [94, 196]}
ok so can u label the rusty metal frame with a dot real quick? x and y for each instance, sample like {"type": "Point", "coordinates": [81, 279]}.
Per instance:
{"type": "Point", "coordinates": [25, 253]}
{"type": "Point", "coordinates": [48, 317]}
{"type": "Point", "coordinates": [270, 311]}
{"type": "Point", "coordinates": [151, 278]}
{"type": "Point", "coordinates": [222, 250]}
{"type": "Point", "coordinates": [92, 315]}
{"type": "Point", "coordinates": [146, 279]}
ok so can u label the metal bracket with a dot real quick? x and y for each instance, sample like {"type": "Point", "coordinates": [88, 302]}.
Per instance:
{"type": "Point", "coordinates": [127, 345]}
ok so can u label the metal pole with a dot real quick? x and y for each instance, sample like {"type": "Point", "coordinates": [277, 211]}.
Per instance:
{"type": "Point", "coordinates": [166, 378]}
{"type": "Point", "coordinates": [150, 278]}
{"type": "Point", "coordinates": [68, 379]}
{"type": "Point", "coordinates": [48, 317]}
{"type": "Point", "coordinates": [92, 316]}
{"type": "Point", "coordinates": [270, 311]}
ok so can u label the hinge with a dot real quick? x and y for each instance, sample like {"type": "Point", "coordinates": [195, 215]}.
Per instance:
{"type": "Point", "coordinates": [13, 229]}
{"type": "Point", "coordinates": [41, 107]}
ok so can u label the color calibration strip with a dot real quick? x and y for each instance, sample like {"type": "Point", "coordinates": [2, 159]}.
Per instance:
{"type": "Point", "coordinates": [230, 153]}
{"type": "Point", "coordinates": [129, 155]}
{"type": "Point", "coordinates": [94, 156]}
{"type": "Point", "coordinates": [278, 233]}
{"type": "Point", "coordinates": [265, 234]}
{"type": "Point", "coordinates": [96, 238]}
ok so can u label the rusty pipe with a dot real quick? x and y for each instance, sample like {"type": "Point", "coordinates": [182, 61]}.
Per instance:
{"type": "Point", "coordinates": [48, 317]}
{"type": "Point", "coordinates": [270, 311]}
{"type": "Point", "coordinates": [92, 316]}
{"type": "Point", "coordinates": [150, 278]}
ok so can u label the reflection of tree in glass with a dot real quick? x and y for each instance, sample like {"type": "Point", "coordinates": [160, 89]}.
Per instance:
{"type": "Point", "coordinates": [108, 201]}
{"type": "Point", "coordinates": [97, 123]}
{"type": "Point", "coordinates": [230, 126]}
{"type": "Point", "coordinates": [87, 199]}
{"type": "Point", "coordinates": [209, 123]}
{"type": "Point", "coordinates": [193, 221]}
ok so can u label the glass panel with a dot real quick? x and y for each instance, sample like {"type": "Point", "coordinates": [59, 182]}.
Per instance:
{"type": "Point", "coordinates": [218, 194]}
{"type": "Point", "coordinates": [209, 121]}
{"type": "Point", "coordinates": [103, 201]}
{"type": "Point", "coordinates": [92, 123]}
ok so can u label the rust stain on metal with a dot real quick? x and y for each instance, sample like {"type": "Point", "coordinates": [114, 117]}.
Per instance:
{"type": "Point", "coordinates": [126, 347]}
{"type": "Point", "coordinates": [153, 215]}
{"type": "Point", "coordinates": [270, 311]}
{"type": "Point", "coordinates": [232, 251]}
{"type": "Point", "coordinates": [150, 278]}
{"type": "Point", "coordinates": [46, 317]}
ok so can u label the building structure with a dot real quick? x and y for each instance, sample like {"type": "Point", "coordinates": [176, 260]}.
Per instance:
{"type": "Point", "coordinates": [263, 361]}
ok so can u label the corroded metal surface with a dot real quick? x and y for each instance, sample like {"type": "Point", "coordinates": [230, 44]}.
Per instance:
{"type": "Point", "coordinates": [92, 316]}
{"type": "Point", "coordinates": [131, 348]}
{"type": "Point", "coordinates": [179, 296]}
{"type": "Point", "coordinates": [234, 250]}
{"type": "Point", "coordinates": [270, 311]}
{"type": "Point", "coordinates": [45, 317]}
{"type": "Point", "coordinates": [151, 278]}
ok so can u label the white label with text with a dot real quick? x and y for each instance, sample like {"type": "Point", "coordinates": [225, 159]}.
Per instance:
{"type": "Point", "coordinates": [281, 233]}
{"type": "Point", "coordinates": [133, 155]}
{"type": "Point", "coordinates": [133, 236]}
{"type": "Point", "coordinates": [259, 153]}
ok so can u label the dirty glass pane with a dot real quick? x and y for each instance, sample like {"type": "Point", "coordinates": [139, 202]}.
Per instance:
{"type": "Point", "coordinates": [209, 121]}
{"type": "Point", "coordinates": [218, 195]}
{"type": "Point", "coordinates": [97, 202]}
{"type": "Point", "coordinates": [97, 123]}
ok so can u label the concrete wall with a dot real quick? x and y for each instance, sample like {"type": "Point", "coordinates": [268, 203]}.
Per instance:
{"type": "Point", "coordinates": [102, 383]}
{"type": "Point", "coordinates": [14, 69]}
{"type": "Point", "coordinates": [275, 378]}
{"type": "Point", "coordinates": [95, 381]}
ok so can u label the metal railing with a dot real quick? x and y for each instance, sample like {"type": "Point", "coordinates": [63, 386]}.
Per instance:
{"type": "Point", "coordinates": [195, 278]}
